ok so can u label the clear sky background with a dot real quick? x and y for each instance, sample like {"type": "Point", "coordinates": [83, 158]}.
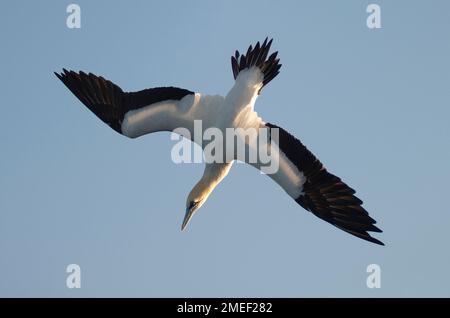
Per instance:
{"type": "Point", "coordinates": [373, 105]}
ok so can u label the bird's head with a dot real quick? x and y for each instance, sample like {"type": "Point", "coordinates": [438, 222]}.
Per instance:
{"type": "Point", "coordinates": [214, 173]}
{"type": "Point", "coordinates": [194, 201]}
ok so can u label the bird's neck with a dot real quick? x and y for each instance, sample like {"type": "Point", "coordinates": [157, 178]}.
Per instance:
{"type": "Point", "coordinates": [212, 176]}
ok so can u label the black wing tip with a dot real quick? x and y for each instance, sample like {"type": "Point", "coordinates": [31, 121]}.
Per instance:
{"type": "Point", "coordinates": [359, 225]}
{"type": "Point", "coordinates": [346, 213]}
{"type": "Point", "coordinates": [257, 56]}
{"type": "Point", "coordinates": [371, 239]}
{"type": "Point", "coordinates": [100, 96]}
{"type": "Point", "coordinates": [363, 234]}
{"type": "Point", "coordinates": [59, 76]}
{"type": "Point", "coordinates": [65, 74]}
{"type": "Point", "coordinates": [352, 219]}
{"type": "Point", "coordinates": [378, 242]}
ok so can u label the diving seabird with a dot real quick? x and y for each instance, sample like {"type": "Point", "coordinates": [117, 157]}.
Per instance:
{"type": "Point", "coordinates": [300, 173]}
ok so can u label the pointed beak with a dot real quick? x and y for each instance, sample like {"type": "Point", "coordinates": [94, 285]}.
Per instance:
{"type": "Point", "coordinates": [189, 214]}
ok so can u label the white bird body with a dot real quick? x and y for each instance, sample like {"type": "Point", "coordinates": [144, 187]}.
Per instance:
{"type": "Point", "coordinates": [298, 171]}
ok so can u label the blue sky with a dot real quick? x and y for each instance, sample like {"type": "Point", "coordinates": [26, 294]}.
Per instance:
{"type": "Point", "coordinates": [373, 105]}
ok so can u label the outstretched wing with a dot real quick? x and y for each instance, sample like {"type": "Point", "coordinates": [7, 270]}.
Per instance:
{"type": "Point", "coordinates": [307, 181]}
{"type": "Point", "coordinates": [107, 100]}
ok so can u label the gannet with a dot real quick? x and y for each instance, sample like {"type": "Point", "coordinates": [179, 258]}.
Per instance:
{"type": "Point", "coordinates": [299, 172]}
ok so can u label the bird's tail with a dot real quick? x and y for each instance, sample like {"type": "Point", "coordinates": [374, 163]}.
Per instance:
{"type": "Point", "coordinates": [259, 57]}
{"type": "Point", "coordinates": [104, 98]}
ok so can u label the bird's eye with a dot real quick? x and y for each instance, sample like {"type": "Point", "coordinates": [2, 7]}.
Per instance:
{"type": "Point", "coordinates": [192, 204]}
